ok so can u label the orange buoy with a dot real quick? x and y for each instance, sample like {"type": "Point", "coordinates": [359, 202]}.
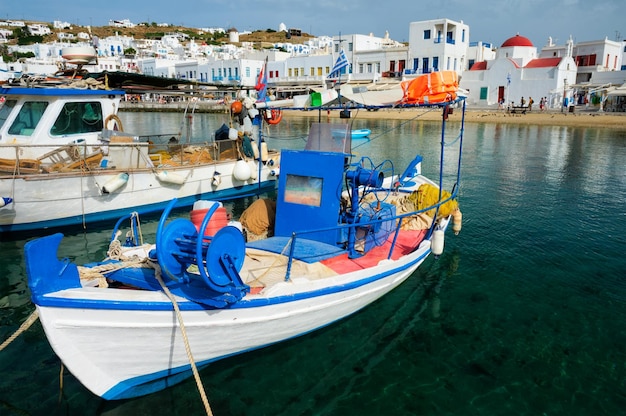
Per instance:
{"type": "Point", "coordinates": [236, 107]}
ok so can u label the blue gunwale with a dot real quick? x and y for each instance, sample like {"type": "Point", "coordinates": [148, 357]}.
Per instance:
{"type": "Point", "coordinates": [49, 300]}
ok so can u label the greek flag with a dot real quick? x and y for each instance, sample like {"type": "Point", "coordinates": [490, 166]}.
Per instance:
{"type": "Point", "coordinates": [340, 64]}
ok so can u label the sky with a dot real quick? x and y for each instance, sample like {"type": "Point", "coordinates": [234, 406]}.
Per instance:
{"type": "Point", "coordinates": [491, 21]}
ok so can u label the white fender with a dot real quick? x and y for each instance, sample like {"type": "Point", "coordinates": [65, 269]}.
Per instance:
{"type": "Point", "coordinates": [217, 179]}
{"type": "Point", "coordinates": [437, 242]}
{"type": "Point", "coordinates": [171, 177]}
{"type": "Point", "coordinates": [241, 171]}
{"type": "Point", "coordinates": [115, 183]}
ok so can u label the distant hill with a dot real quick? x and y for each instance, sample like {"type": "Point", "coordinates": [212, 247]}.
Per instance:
{"type": "Point", "coordinates": [263, 37]}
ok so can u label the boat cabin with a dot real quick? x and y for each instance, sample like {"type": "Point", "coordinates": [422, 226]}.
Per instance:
{"type": "Point", "coordinates": [41, 119]}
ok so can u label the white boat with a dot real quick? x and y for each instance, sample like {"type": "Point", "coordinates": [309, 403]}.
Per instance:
{"type": "Point", "coordinates": [64, 160]}
{"type": "Point", "coordinates": [162, 310]}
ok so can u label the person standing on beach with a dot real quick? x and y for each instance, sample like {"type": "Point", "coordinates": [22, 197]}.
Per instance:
{"type": "Point", "coordinates": [522, 102]}
{"type": "Point", "coordinates": [530, 103]}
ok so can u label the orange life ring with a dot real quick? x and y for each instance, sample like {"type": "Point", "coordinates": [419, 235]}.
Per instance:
{"type": "Point", "coordinates": [273, 116]}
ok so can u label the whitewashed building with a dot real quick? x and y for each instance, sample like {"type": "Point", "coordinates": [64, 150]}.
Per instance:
{"type": "Point", "coordinates": [436, 45]}
{"type": "Point", "coordinates": [518, 72]}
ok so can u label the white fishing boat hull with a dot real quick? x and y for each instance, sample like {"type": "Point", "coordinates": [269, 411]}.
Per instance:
{"type": "Point", "coordinates": [61, 199]}
{"type": "Point", "coordinates": [117, 353]}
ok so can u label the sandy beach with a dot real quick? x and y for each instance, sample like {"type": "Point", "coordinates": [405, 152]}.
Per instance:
{"type": "Point", "coordinates": [547, 118]}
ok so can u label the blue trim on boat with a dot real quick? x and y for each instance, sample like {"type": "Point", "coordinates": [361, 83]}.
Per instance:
{"type": "Point", "coordinates": [56, 92]}
{"type": "Point", "coordinates": [45, 299]}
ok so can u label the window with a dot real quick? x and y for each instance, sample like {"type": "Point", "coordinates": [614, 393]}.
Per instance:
{"type": "Point", "coordinates": [427, 34]}
{"type": "Point", "coordinates": [483, 93]}
{"type": "Point", "coordinates": [436, 63]}
{"type": "Point", "coordinates": [320, 71]}
{"type": "Point", "coordinates": [425, 65]}
{"type": "Point", "coordinates": [304, 190]}
{"type": "Point", "coordinates": [463, 35]}
{"type": "Point", "coordinates": [76, 118]}
{"type": "Point", "coordinates": [350, 46]}
{"type": "Point", "coordinates": [247, 72]}
{"type": "Point", "coordinates": [5, 110]}
{"type": "Point", "coordinates": [28, 118]}
{"type": "Point", "coordinates": [312, 71]}
{"type": "Point", "coordinates": [416, 63]}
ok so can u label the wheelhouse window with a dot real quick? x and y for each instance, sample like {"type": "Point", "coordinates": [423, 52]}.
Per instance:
{"type": "Point", "coordinates": [5, 110]}
{"type": "Point", "coordinates": [76, 118]}
{"type": "Point", "coordinates": [29, 116]}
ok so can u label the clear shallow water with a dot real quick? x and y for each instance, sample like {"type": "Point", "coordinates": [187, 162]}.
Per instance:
{"type": "Point", "coordinates": [523, 314]}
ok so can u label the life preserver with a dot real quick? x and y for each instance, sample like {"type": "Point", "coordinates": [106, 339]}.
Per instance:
{"type": "Point", "coordinates": [273, 116]}
{"type": "Point", "coordinates": [118, 123]}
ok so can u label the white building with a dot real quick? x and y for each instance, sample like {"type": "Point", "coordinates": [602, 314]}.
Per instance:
{"type": "Point", "coordinates": [517, 72]}
{"type": "Point", "coordinates": [37, 29]}
{"type": "Point", "coordinates": [436, 45]}
{"type": "Point", "coordinates": [122, 23]}
{"type": "Point", "coordinates": [59, 25]}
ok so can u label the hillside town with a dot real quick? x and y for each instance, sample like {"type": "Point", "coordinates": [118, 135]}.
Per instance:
{"type": "Point", "coordinates": [590, 73]}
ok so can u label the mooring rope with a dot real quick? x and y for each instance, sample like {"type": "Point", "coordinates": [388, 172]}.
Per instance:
{"type": "Point", "coordinates": [179, 316]}
{"type": "Point", "coordinates": [25, 325]}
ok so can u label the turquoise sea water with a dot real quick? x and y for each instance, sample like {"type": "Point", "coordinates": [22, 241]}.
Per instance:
{"type": "Point", "coordinates": [523, 314]}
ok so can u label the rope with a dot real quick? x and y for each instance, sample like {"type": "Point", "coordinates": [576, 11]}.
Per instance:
{"type": "Point", "coordinates": [374, 137]}
{"type": "Point", "coordinates": [194, 369]}
{"type": "Point", "coordinates": [25, 325]}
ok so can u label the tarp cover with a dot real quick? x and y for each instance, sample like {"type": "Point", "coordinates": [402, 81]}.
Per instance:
{"type": "Point", "coordinates": [436, 87]}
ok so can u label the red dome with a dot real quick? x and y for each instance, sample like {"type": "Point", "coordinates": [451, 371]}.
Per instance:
{"type": "Point", "coordinates": [517, 40]}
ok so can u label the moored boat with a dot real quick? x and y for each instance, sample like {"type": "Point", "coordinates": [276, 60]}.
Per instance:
{"type": "Point", "coordinates": [125, 326]}
{"type": "Point", "coordinates": [65, 159]}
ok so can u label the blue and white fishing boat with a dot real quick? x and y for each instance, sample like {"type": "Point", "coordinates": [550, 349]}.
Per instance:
{"type": "Point", "coordinates": [346, 232]}
{"type": "Point", "coordinates": [65, 159]}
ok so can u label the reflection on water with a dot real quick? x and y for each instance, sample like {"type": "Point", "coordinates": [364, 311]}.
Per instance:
{"type": "Point", "coordinates": [522, 314]}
